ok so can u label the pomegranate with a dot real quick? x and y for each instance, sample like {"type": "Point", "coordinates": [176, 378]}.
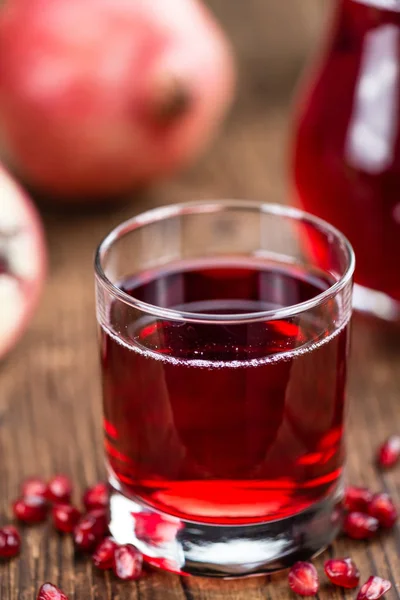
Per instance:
{"type": "Point", "coordinates": [303, 579]}
{"type": "Point", "coordinates": [342, 572]}
{"type": "Point", "coordinates": [101, 96]}
{"type": "Point", "coordinates": [22, 261]}
{"type": "Point", "coordinates": [48, 591]}
{"type": "Point", "coordinates": [374, 588]}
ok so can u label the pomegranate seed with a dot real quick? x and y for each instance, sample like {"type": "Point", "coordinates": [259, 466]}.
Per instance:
{"type": "Point", "coordinates": [90, 530]}
{"type": "Point", "coordinates": [10, 542]}
{"type": "Point", "coordinates": [360, 526]}
{"type": "Point", "coordinates": [48, 591]}
{"type": "Point", "coordinates": [382, 508]}
{"type": "Point", "coordinates": [128, 563]}
{"type": "Point", "coordinates": [342, 572]}
{"type": "Point", "coordinates": [357, 498]}
{"type": "Point", "coordinates": [35, 487]}
{"type": "Point", "coordinates": [31, 509]}
{"type": "Point", "coordinates": [101, 514]}
{"type": "Point", "coordinates": [154, 528]}
{"type": "Point", "coordinates": [103, 557]}
{"type": "Point", "coordinates": [96, 496]}
{"type": "Point", "coordinates": [65, 517]}
{"type": "Point", "coordinates": [374, 588]}
{"type": "Point", "coordinates": [303, 579]}
{"type": "Point", "coordinates": [389, 452]}
{"type": "Point", "coordinates": [60, 490]}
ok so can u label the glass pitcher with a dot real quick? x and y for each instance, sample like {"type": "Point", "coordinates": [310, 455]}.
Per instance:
{"type": "Point", "coordinates": [346, 150]}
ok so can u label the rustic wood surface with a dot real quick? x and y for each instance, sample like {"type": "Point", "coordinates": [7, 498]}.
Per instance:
{"type": "Point", "coordinates": [50, 407]}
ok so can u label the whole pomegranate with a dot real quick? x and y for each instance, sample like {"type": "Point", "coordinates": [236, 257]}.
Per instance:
{"type": "Point", "coordinates": [22, 261]}
{"type": "Point", "coordinates": [100, 96]}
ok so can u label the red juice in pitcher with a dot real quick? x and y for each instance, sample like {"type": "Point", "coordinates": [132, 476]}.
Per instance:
{"type": "Point", "coordinates": [225, 423]}
{"type": "Point", "coordinates": [346, 158]}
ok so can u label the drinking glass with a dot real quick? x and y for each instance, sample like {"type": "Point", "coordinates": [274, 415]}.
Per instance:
{"type": "Point", "coordinates": [224, 338]}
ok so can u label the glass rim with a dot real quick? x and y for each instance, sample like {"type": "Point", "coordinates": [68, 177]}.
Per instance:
{"type": "Point", "coordinates": [213, 206]}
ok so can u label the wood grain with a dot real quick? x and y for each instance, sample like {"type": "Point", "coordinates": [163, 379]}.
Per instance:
{"type": "Point", "coordinates": [50, 395]}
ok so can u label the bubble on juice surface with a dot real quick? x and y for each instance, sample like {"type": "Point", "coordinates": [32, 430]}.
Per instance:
{"type": "Point", "coordinates": [233, 364]}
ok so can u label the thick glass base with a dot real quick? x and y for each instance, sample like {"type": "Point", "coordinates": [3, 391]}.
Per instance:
{"type": "Point", "coordinates": [376, 303]}
{"type": "Point", "coordinates": [193, 548]}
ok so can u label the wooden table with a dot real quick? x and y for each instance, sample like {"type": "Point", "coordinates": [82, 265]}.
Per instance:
{"type": "Point", "coordinates": [50, 394]}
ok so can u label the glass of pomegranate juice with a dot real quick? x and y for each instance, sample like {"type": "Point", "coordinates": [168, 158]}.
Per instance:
{"type": "Point", "coordinates": [224, 338]}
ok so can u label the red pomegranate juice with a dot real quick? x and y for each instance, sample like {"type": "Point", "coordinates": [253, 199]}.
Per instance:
{"type": "Point", "coordinates": [225, 423]}
{"type": "Point", "coordinates": [347, 140]}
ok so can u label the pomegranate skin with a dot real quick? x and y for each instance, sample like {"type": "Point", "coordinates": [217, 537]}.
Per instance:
{"type": "Point", "coordinates": [22, 261]}
{"type": "Point", "coordinates": [102, 96]}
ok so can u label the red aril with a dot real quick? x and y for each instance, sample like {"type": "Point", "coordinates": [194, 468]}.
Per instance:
{"type": "Point", "coordinates": [389, 452]}
{"type": "Point", "coordinates": [382, 508]}
{"type": "Point", "coordinates": [34, 486]}
{"type": "Point", "coordinates": [359, 526]}
{"type": "Point", "coordinates": [65, 517]}
{"type": "Point", "coordinates": [22, 261]}
{"type": "Point", "coordinates": [342, 572]}
{"type": "Point", "coordinates": [10, 542]}
{"type": "Point", "coordinates": [101, 515]}
{"type": "Point", "coordinates": [60, 489]}
{"type": "Point", "coordinates": [100, 96]}
{"type": "Point", "coordinates": [31, 509]}
{"type": "Point", "coordinates": [48, 591]}
{"type": "Point", "coordinates": [103, 556]}
{"type": "Point", "coordinates": [128, 563]}
{"type": "Point", "coordinates": [90, 530]}
{"type": "Point", "coordinates": [303, 579]}
{"type": "Point", "coordinates": [96, 496]}
{"type": "Point", "coordinates": [374, 588]}
{"type": "Point", "coordinates": [155, 528]}
{"type": "Point", "coordinates": [357, 498]}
